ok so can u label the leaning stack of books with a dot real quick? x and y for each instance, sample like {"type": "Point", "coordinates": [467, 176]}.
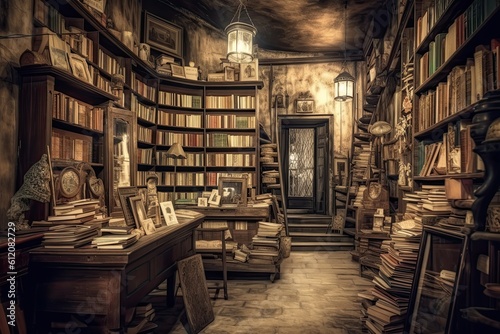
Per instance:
{"type": "Point", "coordinates": [69, 236]}
{"type": "Point", "coordinates": [163, 64]}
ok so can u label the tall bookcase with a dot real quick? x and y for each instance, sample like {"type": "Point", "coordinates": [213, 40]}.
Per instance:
{"type": "Point", "coordinates": [215, 122]}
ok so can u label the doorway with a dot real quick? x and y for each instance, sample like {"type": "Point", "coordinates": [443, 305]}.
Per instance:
{"type": "Point", "coordinates": [305, 163]}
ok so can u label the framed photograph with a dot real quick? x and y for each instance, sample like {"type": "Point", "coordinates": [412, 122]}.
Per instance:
{"type": "Point", "coordinates": [249, 71]}
{"type": "Point", "coordinates": [148, 226]}
{"type": "Point", "coordinates": [79, 67]}
{"type": "Point", "coordinates": [233, 191]}
{"type": "Point", "coordinates": [438, 293]}
{"type": "Point", "coordinates": [152, 203]}
{"type": "Point", "coordinates": [305, 105]}
{"type": "Point", "coordinates": [228, 73]}
{"type": "Point", "coordinates": [167, 209]}
{"type": "Point", "coordinates": [214, 198]}
{"type": "Point", "coordinates": [124, 193]}
{"type": "Point", "coordinates": [202, 201]}
{"type": "Point", "coordinates": [138, 210]}
{"type": "Point", "coordinates": [177, 71]}
{"type": "Point", "coordinates": [163, 35]}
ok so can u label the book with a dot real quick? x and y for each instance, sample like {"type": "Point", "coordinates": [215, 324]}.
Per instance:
{"type": "Point", "coordinates": [71, 216]}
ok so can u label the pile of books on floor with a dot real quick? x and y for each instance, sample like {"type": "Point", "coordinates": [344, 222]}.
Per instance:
{"type": "Point", "coordinates": [241, 254]}
{"type": "Point", "coordinates": [266, 243]}
{"type": "Point", "coordinates": [141, 322]}
{"type": "Point", "coordinates": [76, 212]}
{"type": "Point", "coordinates": [69, 236]}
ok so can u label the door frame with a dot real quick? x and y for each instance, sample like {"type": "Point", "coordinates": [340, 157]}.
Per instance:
{"type": "Point", "coordinates": [307, 121]}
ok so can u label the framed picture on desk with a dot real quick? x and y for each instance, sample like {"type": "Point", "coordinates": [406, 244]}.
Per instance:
{"type": "Point", "coordinates": [233, 190]}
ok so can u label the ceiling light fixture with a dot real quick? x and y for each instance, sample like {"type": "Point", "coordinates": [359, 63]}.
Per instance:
{"type": "Point", "coordinates": [240, 37]}
{"type": "Point", "coordinates": [344, 82]}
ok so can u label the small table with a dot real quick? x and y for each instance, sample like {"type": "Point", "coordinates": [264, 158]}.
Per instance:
{"type": "Point", "coordinates": [95, 283]}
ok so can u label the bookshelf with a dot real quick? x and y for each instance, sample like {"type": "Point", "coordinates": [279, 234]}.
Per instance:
{"type": "Point", "coordinates": [215, 122]}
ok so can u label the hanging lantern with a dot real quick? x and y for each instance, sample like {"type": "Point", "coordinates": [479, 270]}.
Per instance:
{"type": "Point", "coordinates": [344, 86]}
{"type": "Point", "coordinates": [344, 82]}
{"type": "Point", "coordinates": [240, 38]}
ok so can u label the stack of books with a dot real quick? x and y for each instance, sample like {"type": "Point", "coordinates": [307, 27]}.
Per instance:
{"type": "Point", "coordinates": [241, 254]}
{"type": "Point", "coordinates": [73, 213]}
{"type": "Point", "coordinates": [114, 241]}
{"type": "Point", "coordinates": [163, 64]}
{"type": "Point", "coordinates": [266, 243]}
{"type": "Point", "coordinates": [69, 236]}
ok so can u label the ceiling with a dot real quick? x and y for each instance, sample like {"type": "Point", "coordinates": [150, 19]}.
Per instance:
{"type": "Point", "coordinates": [311, 26]}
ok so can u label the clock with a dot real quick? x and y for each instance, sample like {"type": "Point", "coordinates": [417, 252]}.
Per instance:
{"type": "Point", "coordinates": [96, 186]}
{"type": "Point", "coordinates": [69, 182]}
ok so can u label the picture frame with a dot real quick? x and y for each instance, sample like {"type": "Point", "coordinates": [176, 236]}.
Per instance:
{"type": "Point", "coordinates": [215, 76]}
{"type": "Point", "coordinates": [228, 73]}
{"type": "Point", "coordinates": [167, 209]}
{"type": "Point", "coordinates": [152, 202]}
{"type": "Point", "coordinates": [304, 106]}
{"type": "Point", "coordinates": [58, 53]}
{"type": "Point", "coordinates": [163, 35]}
{"type": "Point", "coordinates": [177, 71]}
{"type": "Point", "coordinates": [124, 193]}
{"type": "Point", "coordinates": [340, 171]}
{"type": "Point", "coordinates": [148, 226]}
{"type": "Point", "coordinates": [250, 71]}
{"type": "Point", "coordinates": [138, 210]}
{"type": "Point", "coordinates": [437, 293]}
{"type": "Point", "coordinates": [214, 198]}
{"type": "Point", "coordinates": [233, 191]}
{"type": "Point", "coordinates": [202, 201]}
{"type": "Point", "coordinates": [79, 67]}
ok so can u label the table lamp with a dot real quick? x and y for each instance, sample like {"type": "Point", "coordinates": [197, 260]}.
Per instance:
{"type": "Point", "coordinates": [177, 152]}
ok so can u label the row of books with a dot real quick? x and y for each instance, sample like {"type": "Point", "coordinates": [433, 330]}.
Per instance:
{"type": "Point", "coordinates": [179, 100]}
{"type": "Point", "coordinates": [465, 85]}
{"type": "Point", "coordinates": [144, 134]}
{"type": "Point", "coordinates": [181, 179]}
{"type": "Point", "coordinates": [180, 119]}
{"type": "Point", "coordinates": [185, 139]}
{"type": "Point", "coordinates": [192, 159]}
{"type": "Point", "coordinates": [143, 111]}
{"type": "Point", "coordinates": [453, 155]}
{"type": "Point", "coordinates": [110, 64]}
{"type": "Point", "coordinates": [231, 160]}
{"type": "Point", "coordinates": [145, 156]}
{"type": "Point", "coordinates": [70, 146]}
{"type": "Point", "coordinates": [143, 89]}
{"type": "Point", "coordinates": [74, 111]}
{"type": "Point", "coordinates": [230, 102]}
{"type": "Point", "coordinates": [229, 140]}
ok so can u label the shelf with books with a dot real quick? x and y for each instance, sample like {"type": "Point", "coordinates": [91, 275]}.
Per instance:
{"type": "Point", "coordinates": [435, 67]}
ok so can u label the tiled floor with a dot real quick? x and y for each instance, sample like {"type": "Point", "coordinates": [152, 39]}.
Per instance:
{"type": "Point", "coordinates": [316, 293]}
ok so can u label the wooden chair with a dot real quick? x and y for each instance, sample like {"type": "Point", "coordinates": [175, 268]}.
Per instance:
{"type": "Point", "coordinates": [222, 232]}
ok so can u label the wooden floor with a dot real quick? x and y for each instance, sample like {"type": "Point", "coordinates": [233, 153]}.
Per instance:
{"type": "Point", "coordinates": [316, 293]}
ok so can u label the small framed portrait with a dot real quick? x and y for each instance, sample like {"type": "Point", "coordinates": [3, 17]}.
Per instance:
{"type": "Point", "coordinates": [202, 201]}
{"type": "Point", "coordinates": [228, 73]}
{"type": "Point", "coordinates": [58, 52]}
{"type": "Point", "coordinates": [249, 71]}
{"type": "Point", "coordinates": [79, 67]}
{"type": "Point", "coordinates": [152, 203]}
{"type": "Point", "coordinates": [177, 71]}
{"type": "Point", "coordinates": [305, 105]}
{"type": "Point", "coordinates": [163, 35]}
{"type": "Point", "coordinates": [233, 190]}
{"type": "Point", "coordinates": [167, 209]}
{"type": "Point", "coordinates": [214, 198]}
{"type": "Point", "coordinates": [138, 210]}
{"type": "Point", "coordinates": [148, 226]}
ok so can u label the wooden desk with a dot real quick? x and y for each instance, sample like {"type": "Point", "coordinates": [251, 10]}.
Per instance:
{"type": "Point", "coordinates": [100, 285]}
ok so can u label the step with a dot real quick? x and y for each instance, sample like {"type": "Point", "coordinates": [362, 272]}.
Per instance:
{"type": "Point", "coordinates": [320, 237]}
{"type": "Point", "coordinates": [322, 246]}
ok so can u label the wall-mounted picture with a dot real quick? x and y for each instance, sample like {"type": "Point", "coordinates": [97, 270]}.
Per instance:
{"type": "Point", "coordinates": [233, 191]}
{"type": "Point", "coordinates": [177, 71]}
{"type": "Point", "coordinates": [163, 35]}
{"type": "Point", "coordinates": [167, 209]}
{"type": "Point", "coordinates": [305, 105]}
{"type": "Point", "coordinates": [79, 67]}
{"type": "Point", "coordinates": [249, 71]}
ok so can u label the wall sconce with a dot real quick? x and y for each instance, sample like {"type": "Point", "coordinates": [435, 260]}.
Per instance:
{"type": "Point", "coordinates": [240, 37]}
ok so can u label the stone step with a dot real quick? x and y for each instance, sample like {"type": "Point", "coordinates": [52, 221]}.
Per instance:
{"type": "Point", "coordinates": [320, 237]}
{"type": "Point", "coordinates": [322, 246]}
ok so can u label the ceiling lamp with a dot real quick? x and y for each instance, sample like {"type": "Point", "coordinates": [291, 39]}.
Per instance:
{"type": "Point", "coordinates": [240, 37]}
{"type": "Point", "coordinates": [344, 82]}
